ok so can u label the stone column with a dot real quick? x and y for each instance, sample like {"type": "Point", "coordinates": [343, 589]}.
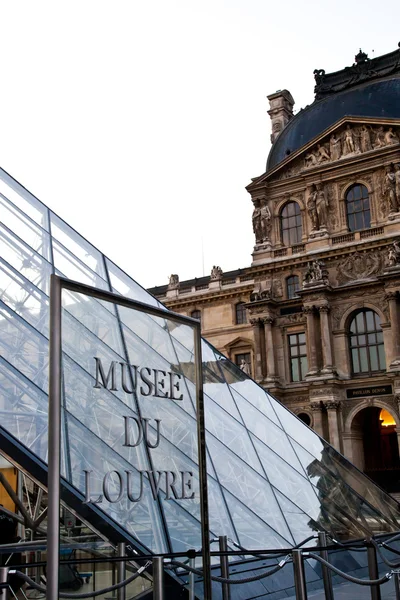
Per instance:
{"type": "Point", "coordinates": [326, 339]}
{"type": "Point", "coordinates": [269, 348]}
{"type": "Point", "coordinates": [311, 341]}
{"type": "Point", "coordinates": [395, 328]}
{"type": "Point", "coordinates": [256, 324]}
{"type": "Point", "coordinates": [316, 408]}
{"type": "Point", "coordinates": [332, 408]}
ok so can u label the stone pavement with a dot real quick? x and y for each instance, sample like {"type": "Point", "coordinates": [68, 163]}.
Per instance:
{"type": "Point", "coordinates": [351, 591]}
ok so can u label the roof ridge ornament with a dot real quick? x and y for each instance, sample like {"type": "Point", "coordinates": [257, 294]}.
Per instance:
{"type": "Point", "coordinates": [361, 57]}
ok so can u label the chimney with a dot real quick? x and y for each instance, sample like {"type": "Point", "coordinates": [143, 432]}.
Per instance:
{"type": "Point", "coordinates": [281, 111]}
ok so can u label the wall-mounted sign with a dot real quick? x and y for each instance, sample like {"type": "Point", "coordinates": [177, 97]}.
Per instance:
{"type": "Point", "coordinates": [377, 390]}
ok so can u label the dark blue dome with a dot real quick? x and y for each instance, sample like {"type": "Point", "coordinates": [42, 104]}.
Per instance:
{"type": "Point", "coordinates": [379, 99]}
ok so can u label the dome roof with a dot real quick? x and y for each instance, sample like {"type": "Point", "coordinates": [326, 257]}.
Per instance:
{"type": "Point", "coordinates": [378, 99]}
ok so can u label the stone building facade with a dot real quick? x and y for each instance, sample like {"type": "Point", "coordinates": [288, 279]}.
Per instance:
{"type": "Point", "coordinates": [315, 317]}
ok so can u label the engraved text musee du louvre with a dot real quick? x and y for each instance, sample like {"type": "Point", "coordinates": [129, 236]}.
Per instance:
{"type": "Point", "coordinates": [130, 483]}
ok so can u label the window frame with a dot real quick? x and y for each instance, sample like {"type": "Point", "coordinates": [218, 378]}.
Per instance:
{"type": "Point", "coordinates": [351, 202]}
{"type": "Point", "coordinates": [368, 345]}
{"type": "Point", "coordinates": [242, 311]}
{"type": "Point", "coordinates": [296, 358]}
{"type": "Point", "coordinates": [199, 318]}
{"type": "Point", "coordinates": [290, 285]}
{"type": "Point", "coordinates": [295, 231]}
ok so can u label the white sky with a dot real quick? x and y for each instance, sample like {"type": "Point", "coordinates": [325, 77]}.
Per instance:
{"type": "Point", "coordinates": [140, 122]}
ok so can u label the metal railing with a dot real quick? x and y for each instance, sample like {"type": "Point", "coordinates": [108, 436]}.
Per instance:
{"type": "Point", "coordinates": [183, 565]}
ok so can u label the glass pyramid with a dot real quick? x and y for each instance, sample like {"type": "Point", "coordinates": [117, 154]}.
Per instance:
{"type": "Point", "coordinates": [272, 481]}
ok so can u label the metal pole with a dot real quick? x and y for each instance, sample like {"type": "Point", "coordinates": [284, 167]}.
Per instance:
{"type": "Point", "coordinates": [373, 572]}
{"type": "Point", "coordinates": [299, 575]}
{"type": "Point", "coordinates": [158, 578]}
{"type": "Point", "coordinates": [3, 579]}
{"type": "Point", "coordinates": [223, 546]}
{"type": "Point", "coordinates": [326, 572]}
{"type": "Point", "coordinates": [54, 433]}
{"type": "Point", "coordinates": [192, 563]}
{"type": "Point", "coordinates": [201, 448]}
{"type": "Point", "coordinates": [121, 593]}
{"type": "Point", "coordinates": [397, 585]}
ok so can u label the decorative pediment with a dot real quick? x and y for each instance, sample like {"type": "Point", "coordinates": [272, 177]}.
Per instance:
{"type": "Point", "coordinates": [348, 138]}
{"type": "Point", "coordinates": [239, 342]}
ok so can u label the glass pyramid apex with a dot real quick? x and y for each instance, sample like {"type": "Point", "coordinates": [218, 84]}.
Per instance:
{"type": "Point", "coordinates": [272, 481]}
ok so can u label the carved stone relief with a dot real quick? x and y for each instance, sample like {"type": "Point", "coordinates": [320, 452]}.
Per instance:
{"type": "Point", "coordinates": [359, 266]}
{"type": "Point", "coordinates": [350, 141]}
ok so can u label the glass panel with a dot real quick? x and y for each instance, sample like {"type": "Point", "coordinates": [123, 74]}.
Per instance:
{"type": "Point", "coordinates": [25, 260]}
{"type": "Point", "coordinates": [21, 198]}
{"type": "Point", "coordinates": [69, 266]}
{"type": "Point", "coordinates": [122, 284]}
{"type": "Point", "coordinates": [295, 370]}
{"type": "Point", "coordinates": [77, 245]}
{"type": "Point", "coordinates": [26, 229]}
{"type": "Point", "coordinates": [356, 362]}
{"type": "Point", "coordinates": [373, 355]}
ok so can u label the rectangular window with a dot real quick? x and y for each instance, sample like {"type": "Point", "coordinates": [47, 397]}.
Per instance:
{"type": "Point", "coordinates": [297, 356]}
{"type": "Point", "coordinates": [243, 361]}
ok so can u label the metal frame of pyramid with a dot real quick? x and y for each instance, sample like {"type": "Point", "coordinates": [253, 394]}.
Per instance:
{"type": "Point", "coordinates": [271, 480]}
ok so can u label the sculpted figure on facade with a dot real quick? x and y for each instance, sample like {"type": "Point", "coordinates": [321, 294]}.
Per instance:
{"type": "Point", "coordinates": [316, 274]}
{"type": "Point", "coordinates": [312, 207]}
{"type": "Point", "coordinates": [310, 159]}
{"type": "Point", "coordinates": [323, 154]}
{"type": "Point", "coordinates": [365, 139]}
{"type": "Point", "coordinates": [173, 283]}
{"type": "Point", "coordinates": [390, 189]}
{"type": "Point", "coordinates": [391, 137]}
{"type": "Point", "coordinates": [244, 367]}
{"type": "Point", "coordinates": [322, 207]}
{"type": "Point", "coordinates": [379, 138]}
{"type": "Point", "coordinates": [349, 147]}
{"type": "Point", "coordinates": [394, 254]}
{"type": "Point", "coordinates": [397, 183]}
{"type": "Point", "coordinates": [257, 221]}
{"type": "Point", "coordinates": [335, 144]}
{"type": "Point", "coordinates": [216, 273]}
{"type": "Point", "coordinates": [265, 222]}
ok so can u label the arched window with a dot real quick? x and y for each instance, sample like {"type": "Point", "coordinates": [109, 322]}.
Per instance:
{"type": "Point", "coordinates": [291, 229]}
{"type": "Point", "coordinates": [196, 314]}
{"type": "Point", "coordinates": [366, 343]}
{"type": "Point", "coordinates": [292, 286]}
{"type": "Point", "coordinates": [357, 208]}
{"type": "Point", "coordinates": [241, 313]}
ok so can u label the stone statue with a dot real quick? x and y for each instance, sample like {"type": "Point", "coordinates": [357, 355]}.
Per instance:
{"type": "Point", "coordinates": [397, 183]}
{"type": "Point", "coordinates": [244, 367]}
{"type": "Point", "coordinates": [173, 282]}
{"type": "Point", "coordinates": [335, 144]}
{"type": "Point", "coordinates": [365, 139]}
{"type": "Point", "coordinates": [379, 138]}
{"type": "Point", "coordinates": [322, 207]}
{"type": "Point", "coordinates": [391, 137]}
{"type": "Point", "coordinates": [257, 221]}
{"type": "Point", "coordinates": [216, 273]}
{"type": "Point", "coordinates": [390, 190]}
{"type": "Point", "coordinates": [316, 274]}
{"type": "Point", "coordinates": [394, 254]}
{"type": "Point", "coordinates": [310, 159]}
{"type": "Point", "coordinates": [348, 140]}
{"type": "Point", "coordinates": [265, 216]}
{"type": "Point", "coordinates": [312, 207]}
{"type": "Point", "coordinates": [323, 154]}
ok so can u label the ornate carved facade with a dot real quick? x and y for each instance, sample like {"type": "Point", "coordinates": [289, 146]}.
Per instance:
{"type": "Point", "coordinates": [315, 317]}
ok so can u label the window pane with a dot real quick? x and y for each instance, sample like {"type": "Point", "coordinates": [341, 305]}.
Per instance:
{"type": "Point", "coordinates": [363, 360]}
{"type": "Point", "coordinates": [304, 366]}
{"type": "Point", "coordinates": [382, 359]}
{"type": "Point", "coordinates": [356, 364]}
{"type": "Point", "coordinates": [373, 355]}
{"type": "Point", "coordinates": [295, 370]}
